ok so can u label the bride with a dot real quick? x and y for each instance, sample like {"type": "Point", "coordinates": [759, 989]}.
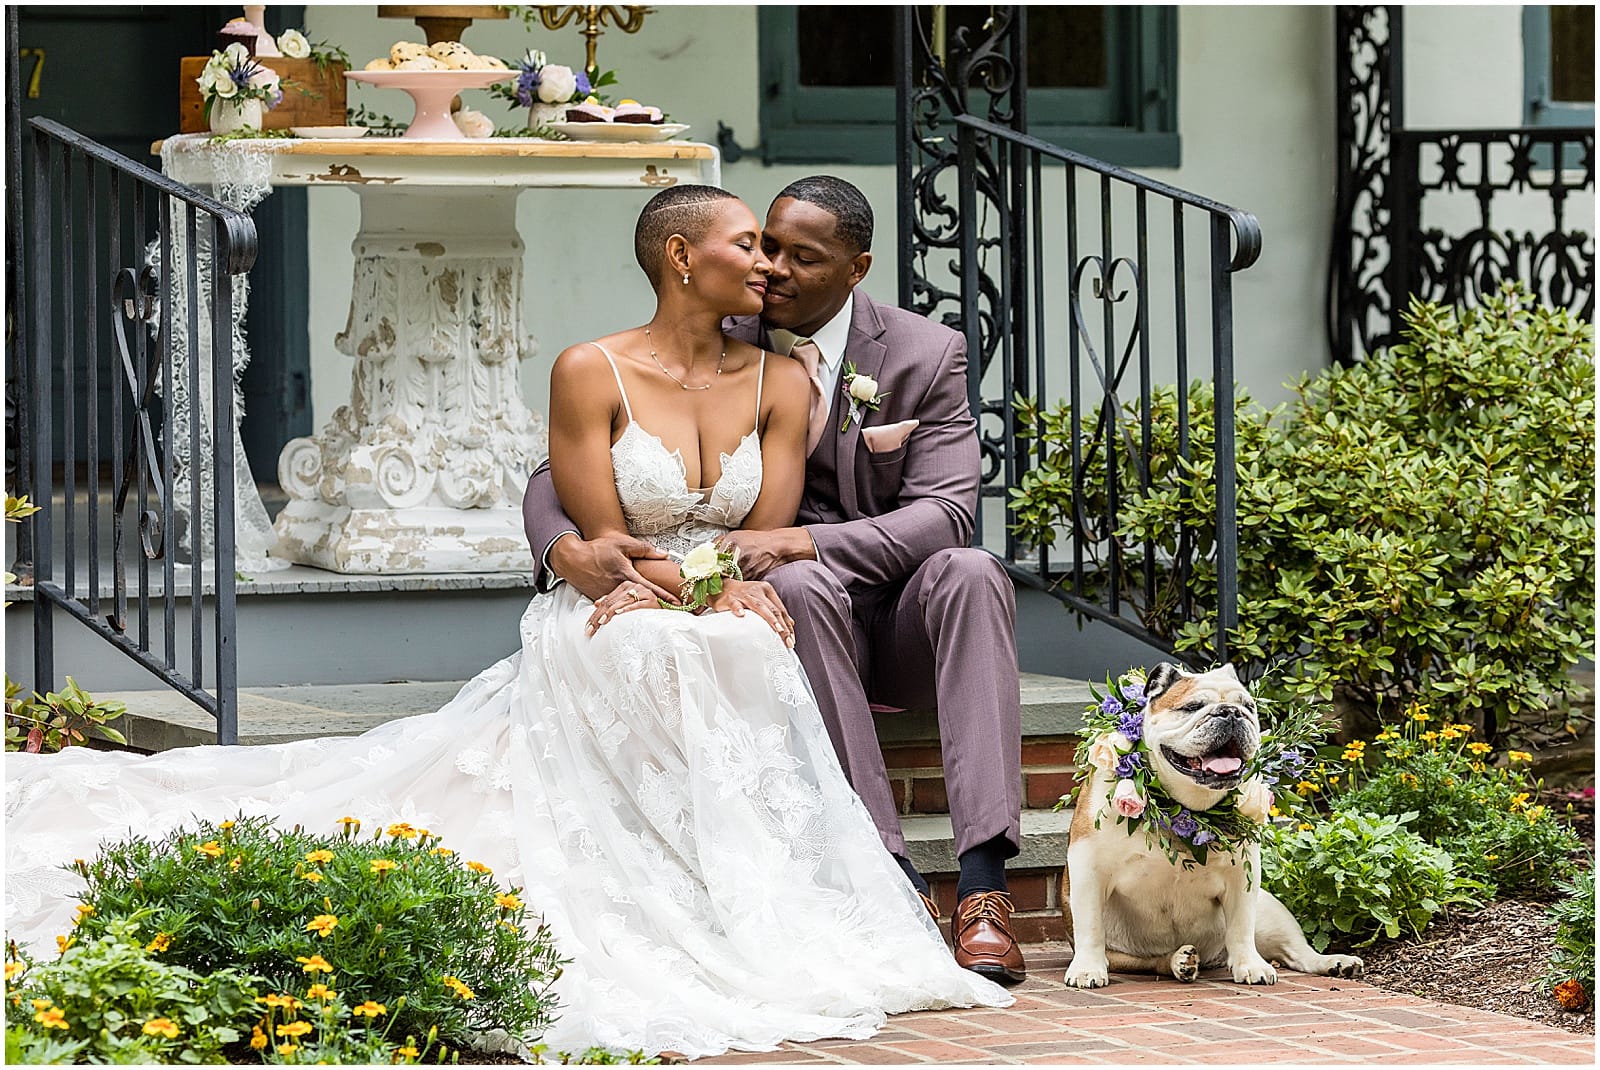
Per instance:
{"type": "Point", "coordinates": [660, 783]}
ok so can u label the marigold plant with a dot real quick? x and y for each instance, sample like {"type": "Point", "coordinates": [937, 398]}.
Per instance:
{"type": "Point", "coordinates": [389, 918]}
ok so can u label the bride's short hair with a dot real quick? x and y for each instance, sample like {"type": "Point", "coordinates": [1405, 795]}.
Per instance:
{"type": "Point", "coordinates": [686, 210]}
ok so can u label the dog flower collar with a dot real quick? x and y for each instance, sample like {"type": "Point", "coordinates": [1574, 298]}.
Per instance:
{"type": "Point", "coordinates": [1114, 745]}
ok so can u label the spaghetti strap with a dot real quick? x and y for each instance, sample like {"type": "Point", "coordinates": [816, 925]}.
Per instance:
{"type": "Point", "coordinates": [761, 375]}
{"type": "Point", "coordinates": [621, 389]}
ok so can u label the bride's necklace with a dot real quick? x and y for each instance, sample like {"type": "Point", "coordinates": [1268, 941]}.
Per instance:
{"type": "Point", "coordinates": [651, 343]}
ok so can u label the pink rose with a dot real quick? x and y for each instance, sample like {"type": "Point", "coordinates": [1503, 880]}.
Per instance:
{"type": "Point", "coordinates": [1126, 800]}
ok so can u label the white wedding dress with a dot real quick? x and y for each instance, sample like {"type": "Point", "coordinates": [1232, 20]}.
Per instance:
{"type": "Point", "coordinates": [664, 791]}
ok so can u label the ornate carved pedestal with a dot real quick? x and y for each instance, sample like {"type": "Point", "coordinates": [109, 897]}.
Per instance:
{"type": "Point", "coordinates": [423, 470]}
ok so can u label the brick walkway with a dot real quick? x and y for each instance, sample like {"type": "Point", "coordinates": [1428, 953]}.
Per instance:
{"type": "Point", "coordinates": [1140, 1020]}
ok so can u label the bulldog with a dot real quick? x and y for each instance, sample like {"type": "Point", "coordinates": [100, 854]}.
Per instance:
{"type": "Point", "coordinates": [1128, 908]}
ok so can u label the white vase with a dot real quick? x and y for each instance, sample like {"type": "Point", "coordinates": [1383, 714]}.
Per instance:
{"type": "Point", "coordinates": [542, 114]}
{"type": "Point", "coordinates": [235, 114]}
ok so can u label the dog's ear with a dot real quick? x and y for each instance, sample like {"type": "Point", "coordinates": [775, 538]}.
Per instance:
{"type": "Point", "coordinates": [1230, 670]}
{"type": "Point", "coordinates": [1161, 678]}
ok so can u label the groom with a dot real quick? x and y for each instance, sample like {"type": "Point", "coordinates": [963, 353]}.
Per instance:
{"type": "Point", "coordinates": [889, 600]}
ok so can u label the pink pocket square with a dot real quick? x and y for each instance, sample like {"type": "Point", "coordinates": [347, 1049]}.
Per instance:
{"type": "Point", "coordinates": [889, 437]}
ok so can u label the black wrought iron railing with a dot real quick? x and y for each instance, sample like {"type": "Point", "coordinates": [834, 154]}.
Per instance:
{"type": "Point", "coordinates": [98, 363]}
{"type": "Point", "coordinates": [1102, 285]}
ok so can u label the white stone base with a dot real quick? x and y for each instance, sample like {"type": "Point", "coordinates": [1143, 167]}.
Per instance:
{"type": "Point", "coordinates": [387, 541]}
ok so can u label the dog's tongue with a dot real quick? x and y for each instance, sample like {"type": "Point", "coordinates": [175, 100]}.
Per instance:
{"type": "Point", "coordinates": [1221, 765]}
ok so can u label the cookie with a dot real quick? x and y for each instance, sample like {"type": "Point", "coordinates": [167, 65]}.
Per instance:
{"type": "Point", "coordinates": [401, 51]}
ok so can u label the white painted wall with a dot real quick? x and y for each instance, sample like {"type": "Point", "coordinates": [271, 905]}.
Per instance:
{"type": "Point", "coordinates": [1256, 104]}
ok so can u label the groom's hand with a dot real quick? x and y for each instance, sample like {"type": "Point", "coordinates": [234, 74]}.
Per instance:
{"type": "Point", "coordinates": [598, 566]}
{"type": "Point", "coordinates": [762, 551]}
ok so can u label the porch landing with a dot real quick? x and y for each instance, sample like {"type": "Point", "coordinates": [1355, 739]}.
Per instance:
{"type": "Point", "coordinates": [1301, 1019]}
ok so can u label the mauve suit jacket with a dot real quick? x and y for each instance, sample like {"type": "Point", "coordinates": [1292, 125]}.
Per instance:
{"type": "Point", "coordinates": [875, 517]}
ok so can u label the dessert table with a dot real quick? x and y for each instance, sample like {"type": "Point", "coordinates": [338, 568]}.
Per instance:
{"type": "Point", "coordinates": [423, 469]}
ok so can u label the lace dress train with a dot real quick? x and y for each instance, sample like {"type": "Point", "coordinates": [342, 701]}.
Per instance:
{"type": "Point", "coordinates": [664, 791]}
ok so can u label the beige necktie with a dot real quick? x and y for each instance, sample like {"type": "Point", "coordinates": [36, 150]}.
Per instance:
{"type": "Point", "coordinates": [807, 353]}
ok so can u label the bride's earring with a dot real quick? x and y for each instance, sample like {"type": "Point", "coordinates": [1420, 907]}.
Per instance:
{"type": "Point", "coordinates": [686, 278]}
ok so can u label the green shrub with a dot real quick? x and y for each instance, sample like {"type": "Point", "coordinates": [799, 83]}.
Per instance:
{"type": "Point", "coordinates": [1421, 524]}
{"type": "Point", "coordinates": [1361, 876]}
{"type": "Point", "coordinates": [1573, 960]}
{"type": "Point", "coordinates": [1484, 816]}
{"type": "Point", "coordinates": [43, 724]}
{"type": "Point", "coordinates": [376, 919]}
{"type": "Point", "coordinates": [110, 1000]}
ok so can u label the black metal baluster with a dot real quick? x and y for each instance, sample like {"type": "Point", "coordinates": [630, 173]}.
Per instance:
{"type": "Point", "coordinates": [1222, 375]}
{"type": "Point", "coordinates": [227, 711]}
{"type": "Point", "coordinates": [1080, 519]}
{"type": "Point", "coordinates": [143, 444]}
{"type": "Point", "coordinates": [1110, 417]}
{"type": "Point", "coordinates": [169, 447]}
{"type": "Point", "coordinates": [1180, 311]}
{"type": "Point", "coordinates": [119, 567]}
{"type": "Point", "coordinates": [1143, 327]}
{"type": "Point", "coordinates": [967, 154]}
{"type": "Point", "coordinates": [91, 345]}
{"type": "Point", "coordinates": [41, 478]}
{"type": "Point", "coordinates": [194, 346]}
{"type": "Point", "coordinates": [69, 393]}
{"type": "Point", "coordinates": [1040, 349]}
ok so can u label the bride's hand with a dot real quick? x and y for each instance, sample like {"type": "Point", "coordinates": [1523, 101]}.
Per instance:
{"type": "Point", "coordinates": [625, 598]}
{"type": "Point", "coordinates": [758, 597]}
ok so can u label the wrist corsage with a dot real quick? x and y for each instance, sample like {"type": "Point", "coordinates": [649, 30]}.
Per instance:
{"type": "Point", "coordinates": [703, 569]}
{"type": "Point", "coordinates": [862, 390]}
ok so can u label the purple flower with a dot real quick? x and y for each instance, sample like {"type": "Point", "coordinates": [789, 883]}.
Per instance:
{"type": "Point", "coordinates": [1202, 837]}
{"type": "Point", "coordinates": [1128, 764]}
{"type": "Point", "coordinates": [1132, 726]}
{"type": "Point", "coordinates": [527, 85]}
{"type": "Point", "coordinates": [1111, 705]}
{"type": "Point", "coordinates": [584, 88]}
{"type": "Point", "coordinates": [1133, 691]}
{"type": "Point", "coordinates": [1185, 825]}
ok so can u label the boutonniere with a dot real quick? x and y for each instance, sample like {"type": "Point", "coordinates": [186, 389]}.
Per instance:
{"type": "Point", "coordinates": [862, 390]}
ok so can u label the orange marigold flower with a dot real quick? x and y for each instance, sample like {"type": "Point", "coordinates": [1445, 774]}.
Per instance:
{"type": "Point", "coordinates": [12, 969]}
{"type": "Point", "coordinates": [52, 1018]}
{"type": "Point", "coordinates": [236, 861]}
{"type": "Point", "coordinates": [479, 867]}
{"type": "Point", "coordinates": [320, 991]}
{"type": "Point", "coordinates": [294, 1029]}
{"type": "Point", "coordinates": [317, 858]}
{"type": "Point", "coordinates": [322, 925]}
{"type": "Point", "coordinates": [456, 985]}
{"type": "Point", "coordinates": [163, 1027]}
{"type": "Point", "coordinates": [284, 1000]}
{"type": "Point", "coordinates": [40, 1004]}
{"type": "Point", "coordinates": [1479, 748]}
{"type": "Point", "coordinates": [1571, 995]}
{"type": "Point", "coordinates": [211, 849]}
{"type": "Point", "coordinates": [311, 875]}
{"type": "Point", "coordinates": [370, 1009]}
{"type": "Point", "coordinates": [401, 831]}
{"type": "Point", "coordinates": [442, 851]}
{"type": "Point", "coordinates": [288, 1049]}
{"type": "Point", "coordinates": [507, 901]}
{"type": "Point", "coordinates": [381, 866]}
{"type": "Point", "coordinates": [64, 942]}
{"type": "Point", "coordinates": [1519, 756]}
{"type": "Point", "coordinates": [225, 826]}
{"type": "Point", "coordinates": [258, 1039]}
{"type": "Point", "coordinates": [314, 964]}
{"type": "Point", "coordinates": [405, 1052]}
{"type": "Point", "coordinates": [160, 942]}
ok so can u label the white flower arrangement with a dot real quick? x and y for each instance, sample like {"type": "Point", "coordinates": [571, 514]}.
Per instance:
{"type": "Point", "coordinates": [703, 569]}
{"type": "Point", "coordinates": [234, 75]}
{"type": "Point", "coordinates": [862, 390]}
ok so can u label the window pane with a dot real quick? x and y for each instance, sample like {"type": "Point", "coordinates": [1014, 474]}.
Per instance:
{"type": "Point", "coordinates": [854, 46]}
{"type": "Point", "coordinates": [1572, 53]}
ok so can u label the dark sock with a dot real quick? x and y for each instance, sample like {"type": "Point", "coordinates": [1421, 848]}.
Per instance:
{"type": "Point", "coordinates": [912, 875]}
{"type": "Point", "coordinates": [983, 868]}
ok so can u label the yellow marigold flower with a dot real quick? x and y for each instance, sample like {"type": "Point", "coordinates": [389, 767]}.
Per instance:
{"type": "Point", "coordinates": [370, 1009]}
{"type": "Point", "coordinates": [294, 1029]}
{"type": "Point", "coordinates": [1334, 780]}
{"type": "Point", "coordinates": [1419, 716]}
{"type": "Point", "coordinates": [160, 942]}
{"type": "Point", "coordinates": [52, 1018]}
{"type": "Point", "coordinates": [311, 875]}
{"type": "Point", "coordinates": [40, 1004]}
{"type": "Point", "coordinates": [64, 942]}
{"type": "Point", "coordinates": [1518, 801]}
{"type": "Point", "coordinates": [284, 1000]}
{"type": "Point", "coordinates": [1429, 737]}
{"type": "Point", "coordinates": [1353, 756]}
{"type": "Point", "coordinates": [322, 925]}
{"type": "Point", "coordinates": [320, 991]}
{"type": "Point", "coordinates": [164, 1027]}
{"type": "Point", "coordinates": [314, 964]}
{"type": "Point", "coordinates": [456, 985]}
{"type": "Point", "coordinates": [1304, 827]}
{"type": "Point", "coordinates": [1305, 787]}
{"type": "Point", "coordinates": [12, 969]}
{"type": "Point", "coordinates": [479, 867]}
{"type": "Point", "coordinates": [225, 826]}
{"type": "Point", "coordinates": [506, 901]}
{"type": "Point", "coordinates": [442, 851]}
{"type": "Point", "coordinates": [1519, 756]}
{"type": "Point", "coordinates": [211, 849]}
{"type": "Point", "coordinates": [258, 1039]}
{"type": "Point", "coordinates": [1408, 779]}
{"type": "Point", "coordinates": [288, 1049]}
{"type": "Point", "coordinates": [1275, 812]}
{"type": "Point", "coordinates": [1491, 858]}
{"type": "Point", "coordinates": [401, 831]}
{"type": "Point", "coordinates": [1479, 748]}
{"type": "Point", "coordinates": [424, 832]}
{"type": "Point", "coordinates": [381, 865]}
{"type": "Point", "coordinates": [406, 1052]}
{"type": "Point", "coordinates": [84, 910]}
{"type": "Point", "coordinates": [236, 862]}
{"type": "Point", "coordinates": [347, 820]}
{"type": "Point", "coordinates": [317, 858]}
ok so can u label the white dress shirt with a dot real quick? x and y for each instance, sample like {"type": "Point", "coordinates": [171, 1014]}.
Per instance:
{"type": "Point", "coordinates": [830, 341]}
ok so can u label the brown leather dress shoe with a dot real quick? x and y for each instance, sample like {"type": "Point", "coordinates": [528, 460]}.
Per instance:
{"type": "Point", "coordinates": [983, 940]}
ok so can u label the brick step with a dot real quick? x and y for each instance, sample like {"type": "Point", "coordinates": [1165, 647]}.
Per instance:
{"type": "Point", "coordinates": [1033, 877]}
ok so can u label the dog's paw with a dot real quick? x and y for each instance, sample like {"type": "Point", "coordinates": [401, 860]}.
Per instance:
{"type": "Point", "coordinates": [1081, 974]}
{"type": "Point", "coordinates": [1186, 963]}
{"type": "Point", "coordinates": [1256, 971]}
{"type": "Point", "coordinates": [1343, 966]}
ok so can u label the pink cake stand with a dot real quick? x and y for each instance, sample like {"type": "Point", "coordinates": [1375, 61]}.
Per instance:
{"type": "Point", "coordinates": [432, 91]}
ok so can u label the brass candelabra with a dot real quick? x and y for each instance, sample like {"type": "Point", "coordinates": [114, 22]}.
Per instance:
{"type": "Point", "coordinates": [628, 18]}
